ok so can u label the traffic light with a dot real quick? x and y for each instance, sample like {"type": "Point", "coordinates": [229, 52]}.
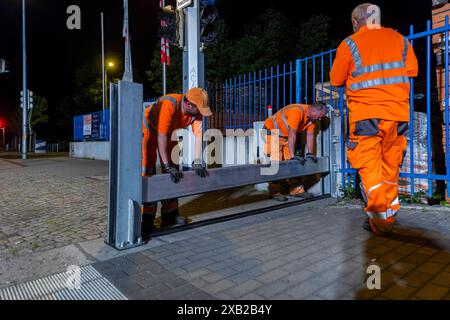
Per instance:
{"type": "Point", "coordinates": [170, 21]}
{"type": "Point", "coordinates": [30, 103]}
{"type": "Point", "coordinates": [208, 18]}
{"type": "Point", "coordinates": [30, 100]}
{"type": "Point", "coordinates": [21, 98]}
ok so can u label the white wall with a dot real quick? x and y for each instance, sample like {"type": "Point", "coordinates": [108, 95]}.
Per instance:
{"type": "Point", "coordinates": [97, 150]}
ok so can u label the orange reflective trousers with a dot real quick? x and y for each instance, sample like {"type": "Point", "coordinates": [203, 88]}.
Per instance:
{"type": "Point", "coordinates": [375, 148]}
{"type": "Point", "coordinates": [149, 148]}
{"type": "Point", "coordinates": [282, 154]}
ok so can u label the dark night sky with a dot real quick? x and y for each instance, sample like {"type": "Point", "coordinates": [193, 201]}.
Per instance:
{"type": "Point", "coordinates": [54, 52]}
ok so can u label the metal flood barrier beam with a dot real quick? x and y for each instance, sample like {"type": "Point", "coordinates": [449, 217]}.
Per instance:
{"type": "Point", "coordinates": [160, 187]}
{"type": "Point", "coordinates": [128, 189]}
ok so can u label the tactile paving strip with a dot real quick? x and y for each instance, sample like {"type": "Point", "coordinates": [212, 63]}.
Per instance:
{"type": "Point", "coordinates": [87, 284]}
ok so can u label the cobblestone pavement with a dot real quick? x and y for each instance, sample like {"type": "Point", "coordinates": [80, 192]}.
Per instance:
{"type": "Point", "coordinates": [49, 203]}
{"type": "Point", "coordinates": [52, 202]}
{"type": "Point", "coordinates": [314, 251]}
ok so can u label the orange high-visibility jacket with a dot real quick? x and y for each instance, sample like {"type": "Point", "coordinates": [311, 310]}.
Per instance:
{"type": "Point", "coordinates": [292, 116]}
{"type": "Point", "coordinates": [375, 65]}
{"type": "Point", "coordinates": [167, 115]}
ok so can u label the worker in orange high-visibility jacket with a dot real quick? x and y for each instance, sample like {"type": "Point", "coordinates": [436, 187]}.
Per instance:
{"type": "Point", "coordinates": [375, 64]}
{"type": "Point", "coordinates": [169, 113]}
{"type": "Point", "coordinates": [284, 126]}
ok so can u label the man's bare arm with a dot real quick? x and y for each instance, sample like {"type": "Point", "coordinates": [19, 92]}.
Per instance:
{"type": "Point", "coordinates": [292, 139]}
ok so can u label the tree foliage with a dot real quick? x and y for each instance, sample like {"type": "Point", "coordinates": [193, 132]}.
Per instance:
{"type": "Point", "coordinates": [39, 116]}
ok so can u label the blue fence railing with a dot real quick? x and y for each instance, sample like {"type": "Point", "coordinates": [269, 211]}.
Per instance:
{"type": "Point", "coordinates": [244, 99]}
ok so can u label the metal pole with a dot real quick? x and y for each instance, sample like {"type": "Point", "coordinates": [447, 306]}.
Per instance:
{"type": "Point", "coordinates": [103, 64]}
{"type": "Point", "coordinates": [164, 79]}
{"type": "Point", "coordinates": [3, 137]}
{"type": "Point", "coordinates": [106, 92]}
{"type": "Point", "coordinates": [24, 86]}
{"type": "Point", "coordinates": [429, 150]}
{"type": "Point", "coordinates": [103, 126]}
{"type": "Point", "coordinates": [164, 92]}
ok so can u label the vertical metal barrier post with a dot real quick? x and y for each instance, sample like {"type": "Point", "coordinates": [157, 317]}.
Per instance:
{"type": "Point", "coordinates": [125, 186]}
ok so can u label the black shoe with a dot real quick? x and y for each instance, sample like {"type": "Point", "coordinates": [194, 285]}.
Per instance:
{"type": "Point", "coordinates": [169, 219]}
{"type": "Point", "coordinates": [147, 227]}
{"type": "Point", "coordinates": [366, 225]}
{"type": "Point", "coordinates": [279, 197]}
{"type": "Point", "coordinates": [303, 195]}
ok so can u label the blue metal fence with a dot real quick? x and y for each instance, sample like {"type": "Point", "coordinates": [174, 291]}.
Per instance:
{"type": "Point", "coordinates": [244, 99]}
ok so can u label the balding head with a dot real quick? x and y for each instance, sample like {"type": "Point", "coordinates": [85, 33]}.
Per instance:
{"type": "Point", "coordinates": [366, 14]}
{"type": "Point", "coordinates": [317, 111]}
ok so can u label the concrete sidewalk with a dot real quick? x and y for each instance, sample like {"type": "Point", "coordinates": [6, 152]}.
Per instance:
{"type": "Point", "coordinates": [311, 251]}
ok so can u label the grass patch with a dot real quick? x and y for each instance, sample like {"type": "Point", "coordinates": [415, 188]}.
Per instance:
{"type": "Point", "coordinates": [351, 191]}
{"type": "Point", "coordinates": [68, 232]}
{"type": "Point", "coordinates": [50, 221]}
{"type": "Point", "coordinates": [422, 198]}
{"type": "Point", "coordinates": [35, 246]}
{"type": "Point", "coordinates": [12, 250]}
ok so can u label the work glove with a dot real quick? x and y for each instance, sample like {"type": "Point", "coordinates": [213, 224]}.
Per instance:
{"type": "Point", "coordinates": [313, 158]}
{"type": "Point", "coordinates": [199, 168]}
{"type": "Point", "coordinates": [175, 174]}
{"type": "Point", "coordinates": [300, 159]}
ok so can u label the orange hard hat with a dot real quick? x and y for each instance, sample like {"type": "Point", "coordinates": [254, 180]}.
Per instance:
{"type": "Point", "coordinates": [199, 97]}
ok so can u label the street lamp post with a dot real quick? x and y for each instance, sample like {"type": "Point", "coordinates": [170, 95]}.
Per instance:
{"type": "Point", "coordinates": [103, 67]}
{"type": "Point", "coordinates": [110, 65]}
{"type": "Point", "coordinates": [24, 85]}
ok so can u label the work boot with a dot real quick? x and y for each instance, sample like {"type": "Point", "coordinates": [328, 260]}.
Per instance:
{"type": "Point", "coordinates": [299, 192]}
{"type": "Point", "coordinates": [147, 227]}
{"type": "Point", "coordinates": [169, 219]}
{"type": "Point", "coordinates": [370, 226]}
{"type": "Point", "coordinates": [366, 225]}
{"type": "Point", "coordinates": [279, 197]}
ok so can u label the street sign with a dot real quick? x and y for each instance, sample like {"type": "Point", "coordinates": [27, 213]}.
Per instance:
{"type": "Point", "coordinates": [87, 125]}
{"type": "Point", "coordinates": [181, 4]}
{"type": "Point", "coordinates": [40, 146]}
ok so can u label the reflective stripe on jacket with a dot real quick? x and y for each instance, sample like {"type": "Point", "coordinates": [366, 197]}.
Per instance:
{"type": "Point", "coordinates": [375, 65]}
{"type": "Point", "coordinates": [292, 116]}
{"type": "Point", "coordinates": [167, 115]}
